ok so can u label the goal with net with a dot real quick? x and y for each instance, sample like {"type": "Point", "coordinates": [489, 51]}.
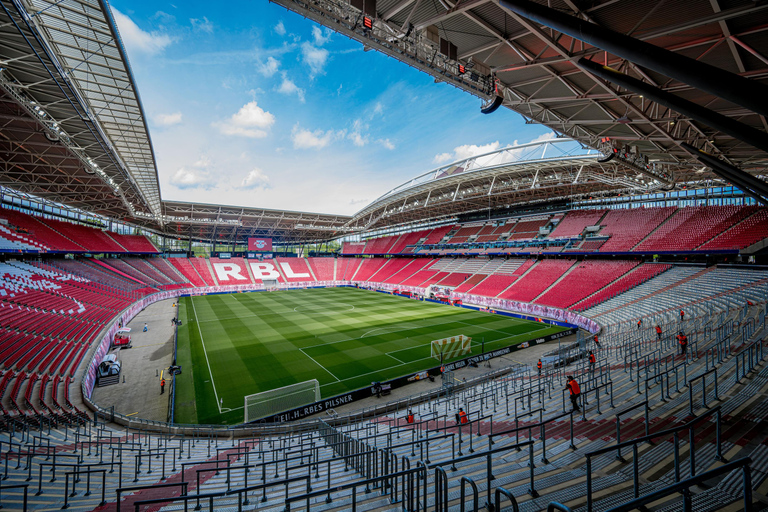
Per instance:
{"type": "Point", "coordinates": [448, 348]}
{"type": "Point", "coordinates": [275, 401]}
{"type": "Point", "coordinates": [270, 284]}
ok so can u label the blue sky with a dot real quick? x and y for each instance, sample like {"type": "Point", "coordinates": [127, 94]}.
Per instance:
{"type": "Point", "coordinates": [253, 105]}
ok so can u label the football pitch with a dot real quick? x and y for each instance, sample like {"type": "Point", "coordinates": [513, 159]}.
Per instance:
{"type": "Point", "coordinates": [233, 345]}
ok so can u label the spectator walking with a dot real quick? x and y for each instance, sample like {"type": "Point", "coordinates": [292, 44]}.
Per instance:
{"type": "Point", "coordinates": [538, 365]}
{"type": "Point", "coordinates": [658, 332]}
{"type": "Point", "coordinates": [461, 417]}
{"type": "Point", "coordinates": [682, 315]}
{"type": "Point", "coordinates": [597, 343]}
{"type": "Point", "coordinates": [639, 323]}
{"type": "Point", "coordinates": [592, 361]}
{"type": "Point", "coordinates": [575, 391]}
{"type": "Point", "coordinates": [409, 417]}
{"type": "Point", "coordinates": [683, 340]}
{"type": "Point", "coordinates": [162, 386]}
{"type": "Point", "coordinates": [145, 327]}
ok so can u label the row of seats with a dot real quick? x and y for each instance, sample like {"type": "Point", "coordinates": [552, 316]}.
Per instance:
{"type": "Point", "coordinates": [49, 318]}
{"type": "Point", "coordinates": [657, 229]}
{"type": "Point", "coordinates": [696, 290]}
{"type": "Point", "coordinates": [477, 276]}
{"type": "Point", "coordinates": [31, 233]}
{"type": "Point", "coordinates": [503, 414]}
{"type": "Point", "coordinates": [586, 278]}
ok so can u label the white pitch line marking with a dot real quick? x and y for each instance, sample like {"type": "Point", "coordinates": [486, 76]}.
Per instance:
{"type": "Point", "coordinates": [218, 404]}
{"type": "Point", "coordinates": [321, 366]}
{"type": "Point", "coordinates": [416, 360]}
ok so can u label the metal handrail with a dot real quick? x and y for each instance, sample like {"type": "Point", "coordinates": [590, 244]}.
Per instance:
{"type": "Point", "coordinates": [500, 491]}
{"type": "Point", "coordinates": [664, 433]}
{"type": "Point", "coordinates": [686, 484]}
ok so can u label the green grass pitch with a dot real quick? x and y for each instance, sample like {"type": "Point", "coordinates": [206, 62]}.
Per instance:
{"type": "Point", "coordinates": [244, 343]}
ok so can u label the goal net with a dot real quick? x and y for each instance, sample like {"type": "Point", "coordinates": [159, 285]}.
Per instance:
{"type": "Point", "coordinates": [275, 401]}
{"type": "Point", "coordinates": [270, 284]}
{"type": "Point", "coordinates": [452, 347]}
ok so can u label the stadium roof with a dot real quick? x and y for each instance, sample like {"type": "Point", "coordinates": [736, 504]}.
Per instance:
{"type": "Point", "coordinates": [73, 128]}
{"type": "Point", "coordinates": [526, 174]}
{"type": "Point", "coordinates": [535, 67]}
{"type": "Point", "coordinates": [73, 131]}
{"type": "Point", "coordinates": [228, 224]}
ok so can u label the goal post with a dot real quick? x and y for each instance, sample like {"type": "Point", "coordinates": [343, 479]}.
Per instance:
{"type": "Point", "coordinates": [270, 284]}
{"type": "Point", "coordinates": [448, 348]}
{"type": "Point", "coordinates": [275, 401]}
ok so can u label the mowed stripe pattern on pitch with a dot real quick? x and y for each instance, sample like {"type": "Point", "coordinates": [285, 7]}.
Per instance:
{"type": "Point", "coordinates": [343, 337]}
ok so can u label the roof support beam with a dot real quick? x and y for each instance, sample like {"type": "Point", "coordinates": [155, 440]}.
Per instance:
{"type": "Point", "coordinates": [458, 8]}
{"type": "Point", "coordinates": [396, 9]}
{"type": "Point", "coordinates": [717, 121]}
{"type": "Point", "coordinates": [711, 79]}
{"type": "Point", "coordinates": [753, 187]}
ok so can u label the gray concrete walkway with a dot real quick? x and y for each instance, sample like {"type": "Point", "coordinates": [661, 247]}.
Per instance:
{"type": "Point", "coordinates": [138, 393]}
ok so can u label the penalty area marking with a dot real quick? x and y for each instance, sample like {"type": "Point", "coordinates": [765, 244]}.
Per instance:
{"type": "Point", "coordinates": [396, 328]}
{"type": "Point", "coordinates": [324, 310]}
{"type": "Point", "coordinates": [321, 366]}
{"type": "Point", "coordinates": [411, 362]}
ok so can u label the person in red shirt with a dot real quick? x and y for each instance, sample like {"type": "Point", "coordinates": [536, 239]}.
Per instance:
{"type": "Point", "coordinates": [409, 417]}
{"type": "Point", "coordinates": [658, 332]}
{"type": "Point", "coordinates": [461, 417]}
{"type": "Point", "coordinates": [575, 391]}
{"type": "Point", "coordinates": [597, 343]}
{"type": "Point", "coordinates": [682, 315]}
{"type": "Point", "coordinates": [592, 361]}
{"type": "Point", "coordinates": [639, 323]}
{"type": "Point", "coordinates": [538, 365]}
{"type": "Point", "coordinates": [683, 340]}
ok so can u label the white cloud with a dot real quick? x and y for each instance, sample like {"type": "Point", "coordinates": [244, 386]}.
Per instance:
{"type": "Point", "coordinates": [356, 134]}
{"type": "Point", "coordinates": [255, 179]}
{"type": "Point", "coordinates": [386, 143]}
{"type": "Point", "coordinates": [321, 36]}
{"type": "Point", "coordinates": [168, 119]}
{"type": "Point", "coordinates": [185, 178]}
{"type": "Point", "coordinates": [279, 28]}
{"type": "Point", "coordinates": [204, 24]}
{"type": "Point", "coordinates": [138, 40]}
{"type": "Point", "coordinates": [269, 67]}
{"type": "Point", "coordinates": [358, 139]}
{"type": "Point", "coordinates": [470, 150]}
{"type": "Point", "coordinates": [545, 136]}
{"type": "Point", "coordinates": [465, 151]}
{"type": "Point", "coordinates": [318, 139]}
{"type": "Point", "coordinates": [378, 109]}
{"type": "Point", "coordinates": [315, 58]}
{"type": "Point", "coordinates": [250, 121]}
{"type": "Point", "coordinates": [163, 17]}
{"type": "Point", "coordinates": [289, 88]}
